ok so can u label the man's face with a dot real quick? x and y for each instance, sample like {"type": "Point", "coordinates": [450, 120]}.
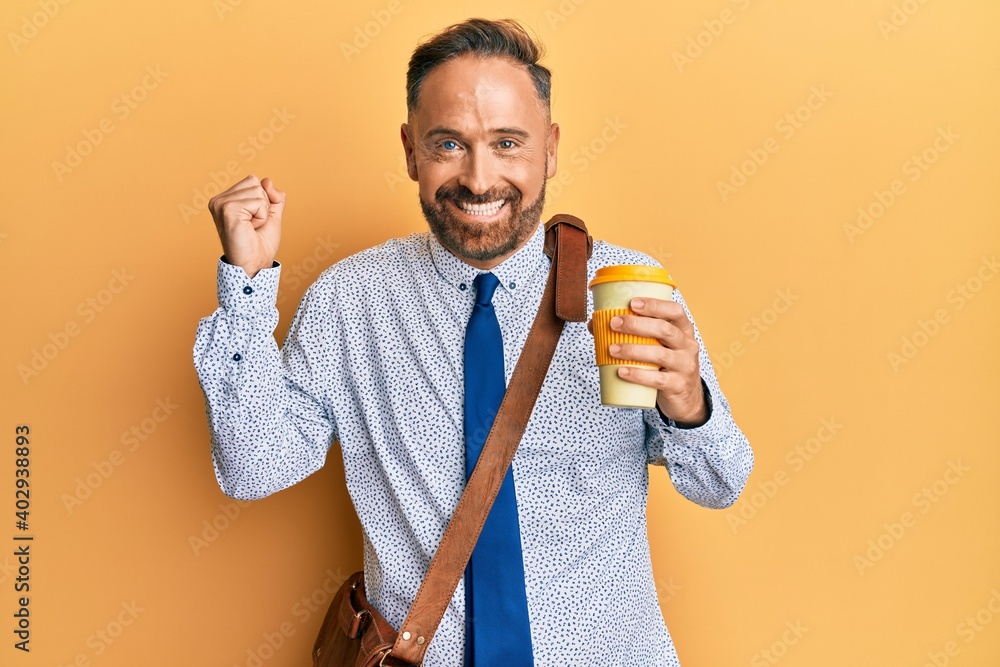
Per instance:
{"type": "Point", "coordinates": [481, 147]}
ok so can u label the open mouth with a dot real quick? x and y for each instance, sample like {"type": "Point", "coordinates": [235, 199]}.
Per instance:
{"type": "Point", "coordinates": [486, 211]}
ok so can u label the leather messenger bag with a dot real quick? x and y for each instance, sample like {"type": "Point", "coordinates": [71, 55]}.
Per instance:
{"type": "Point", "coordinates": [354, 633]}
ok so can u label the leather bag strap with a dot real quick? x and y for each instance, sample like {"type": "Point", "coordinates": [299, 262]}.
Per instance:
{"type": "Point", "coordinates": [570, 263]}
{"type": "Point", "coordinates": [565, 299]}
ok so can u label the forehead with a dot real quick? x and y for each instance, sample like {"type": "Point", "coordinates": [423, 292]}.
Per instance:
{"type": "Point", "coordinates": [470, 93]}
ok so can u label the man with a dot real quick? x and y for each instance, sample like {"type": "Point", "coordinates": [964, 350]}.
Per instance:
{"type": "Point", "coordinates": [374, 358]}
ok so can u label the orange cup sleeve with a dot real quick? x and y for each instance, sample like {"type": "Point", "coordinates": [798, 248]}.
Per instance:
{"type": "Point", "coordinates": [604, 337]}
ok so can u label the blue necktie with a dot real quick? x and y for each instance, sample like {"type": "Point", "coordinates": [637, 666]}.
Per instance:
{"type": "Point", "coordinates": [496, 607]}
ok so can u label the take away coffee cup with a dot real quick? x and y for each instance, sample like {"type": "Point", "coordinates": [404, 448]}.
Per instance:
{"type": "Point", "coordinates": [614, 287]}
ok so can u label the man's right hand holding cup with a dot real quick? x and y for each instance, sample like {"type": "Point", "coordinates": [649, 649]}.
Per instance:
{"type": "Point", "coordinates": [248, 219]}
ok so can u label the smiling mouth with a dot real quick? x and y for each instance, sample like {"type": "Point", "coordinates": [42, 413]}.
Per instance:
{"type": "Point", "coordinates": [487, 210]}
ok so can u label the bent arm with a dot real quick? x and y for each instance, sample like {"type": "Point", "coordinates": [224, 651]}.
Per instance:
{"type": "Point", "coordinates": [708, 464]}
{"type": "Point", "coordinates": [270, 421]}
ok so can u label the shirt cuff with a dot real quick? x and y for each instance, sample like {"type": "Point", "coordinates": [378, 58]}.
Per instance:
{"type": "Point", "coordinates": [713, 434]}
{"type": "Point", "coordinates": [708, 404]}
{"type": "Point", "coordinates": [240, 293]}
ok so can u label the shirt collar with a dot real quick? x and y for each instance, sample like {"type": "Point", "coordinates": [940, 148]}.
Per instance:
{"type": "Point", "coordinates": [514, 272]}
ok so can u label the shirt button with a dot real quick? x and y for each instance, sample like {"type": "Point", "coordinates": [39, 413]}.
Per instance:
{"type": "Point", "coordinates": [462, 286]}
{"type": "Point", "coordinates": [248, 290]}
{"type": "Point", "coordinates": [237, 356]}
{"type": "Point", "coordinates": [513, 284]}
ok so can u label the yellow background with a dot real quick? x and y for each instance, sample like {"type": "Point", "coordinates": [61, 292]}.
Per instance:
{"type": "Point", "coordinates": [832, 303]}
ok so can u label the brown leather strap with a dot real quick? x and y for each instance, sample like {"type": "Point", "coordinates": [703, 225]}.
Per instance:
{"type": "Point", "coordinates": [571, 266]}
{"type": "Point", "coordinates": [565, 241]}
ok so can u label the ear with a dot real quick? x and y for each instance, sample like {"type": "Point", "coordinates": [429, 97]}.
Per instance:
{"type": "Point", "coordinates": [411, 159]}
{"type": "Point", "coordinates": [551, 148]}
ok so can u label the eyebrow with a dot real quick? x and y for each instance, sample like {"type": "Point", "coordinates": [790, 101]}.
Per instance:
{"type": "Point", "coordinates": [449, 132]}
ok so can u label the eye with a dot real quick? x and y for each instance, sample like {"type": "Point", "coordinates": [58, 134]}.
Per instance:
{"type": "Point", "coordinates": [509, 144]}
{"type": "Point", "coordinates": [448, 144]}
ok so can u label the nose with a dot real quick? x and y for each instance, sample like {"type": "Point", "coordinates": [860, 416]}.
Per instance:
{"type": "Point", "coordinates": [479, 171]}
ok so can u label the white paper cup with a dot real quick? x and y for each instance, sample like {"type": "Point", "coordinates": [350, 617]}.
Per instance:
{"type": "Point", "coordinates": [614, 287]}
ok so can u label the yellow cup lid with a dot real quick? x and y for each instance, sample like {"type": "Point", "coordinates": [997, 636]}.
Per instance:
{"type": "Point", "coordinates": [634, 272]}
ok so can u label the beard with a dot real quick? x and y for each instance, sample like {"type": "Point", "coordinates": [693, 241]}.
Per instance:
{"type": "Point", "coordinates": [483, 241]}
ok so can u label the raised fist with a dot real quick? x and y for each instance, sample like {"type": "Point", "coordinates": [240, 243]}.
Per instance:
{"type": "Point", "coordinates": [248, 219]}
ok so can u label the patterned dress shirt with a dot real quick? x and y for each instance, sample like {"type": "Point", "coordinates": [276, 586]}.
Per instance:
{"type": "Point", "coordinates": [374, 359]}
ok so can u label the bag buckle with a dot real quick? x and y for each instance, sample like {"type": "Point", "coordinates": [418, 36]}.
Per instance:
{"type": "Point", "coordinates": [381, 663]}
{"type": "Point", "coordinates": [358, 624]}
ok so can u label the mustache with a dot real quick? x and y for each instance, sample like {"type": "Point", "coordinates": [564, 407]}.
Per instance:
{"type": "Point", "coordinates": [464, 194]}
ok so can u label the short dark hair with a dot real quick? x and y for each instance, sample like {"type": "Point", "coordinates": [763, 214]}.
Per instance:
{"type": "Point", "coordinates": [502, 38]}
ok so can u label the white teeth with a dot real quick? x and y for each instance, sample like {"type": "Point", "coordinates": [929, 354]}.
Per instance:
{"type": "Point", "coordinates": [482, 209]}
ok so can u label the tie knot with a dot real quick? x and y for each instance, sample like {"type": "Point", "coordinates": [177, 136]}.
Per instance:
{"type": "Point", "coordinates": [486, 285]}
